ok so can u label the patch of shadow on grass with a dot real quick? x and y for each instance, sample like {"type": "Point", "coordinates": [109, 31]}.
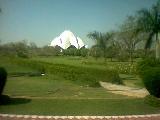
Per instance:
{"type": "Point", "coordinates": [6, 100]}
{"type": "Point", "coordinates": [128, 78]}
{"type": "Point", "coordinates": [29, 74]}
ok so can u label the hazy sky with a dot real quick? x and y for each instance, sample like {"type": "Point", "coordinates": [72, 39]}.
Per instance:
{"type": "Point", "coordinates": [40, 21]}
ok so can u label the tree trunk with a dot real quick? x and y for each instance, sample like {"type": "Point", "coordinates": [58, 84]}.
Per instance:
{"type": "Point", "coordinates": [111, 59]}
{"type": "Point", "coordinates": [158, 50]}
{"type": "Point", "coordinates": [157, 47]}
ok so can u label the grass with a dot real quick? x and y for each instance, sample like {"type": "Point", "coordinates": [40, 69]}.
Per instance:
{"type": "Point", "coordinates": [54, 87]}
{"type": "Point", "coordinates": [81, 107]}
{"type": "Point", "coordinates": [122, 67]}
{"type": "Point", "coordinates": [79, 74]}
{"type": "Point", "coordinates": [132, 80]}
{"type": "Point", "coordinates": [54, 94]}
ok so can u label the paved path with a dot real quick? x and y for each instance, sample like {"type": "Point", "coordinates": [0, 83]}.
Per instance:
{"type": "Point", "coordinates": [36, 117]}
{"type": "Point", "coordinates": [125, 90]}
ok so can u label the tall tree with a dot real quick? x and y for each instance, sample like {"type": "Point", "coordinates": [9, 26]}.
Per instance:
{"type": "Point", "coordinates": [101, 39]}
{"type": "Point", "coordinates": [130, 35]}
{"type": "Point", "coordinates": [149, 21]}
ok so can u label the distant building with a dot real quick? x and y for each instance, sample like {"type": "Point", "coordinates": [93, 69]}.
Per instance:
{"type": "Point", "coordinates": [67, 39]}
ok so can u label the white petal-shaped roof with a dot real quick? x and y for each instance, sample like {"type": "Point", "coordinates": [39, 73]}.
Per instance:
{"type": "Point", "coordinates": [66, 39]}
{"type": "Point", "coordinates": [80, 42]}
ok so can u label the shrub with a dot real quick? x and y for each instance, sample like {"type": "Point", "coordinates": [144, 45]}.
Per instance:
{"type": "Point", "coordinates": [84, 52]}
{"type": "Point", "coordinates": [153, 101]}
{"type": "Point", "coordinates": [149, 70]}
{"type": "Point", "coordinates": [22, 54]}
{"type": "Point", "coordinates": [96, 52]}
{"type": "Point", "coordinates": [113, 77]}
{"type": "Point", "coordinates": [78, 74]}
{"type": "Point", "coordinates": [124, 68]}
{"type": "Point", "coordinates": [146, 63]}
{"type": "Point", "coordinates": [151, 80]}
{"type": "Point", "coordinates": [3, 78]}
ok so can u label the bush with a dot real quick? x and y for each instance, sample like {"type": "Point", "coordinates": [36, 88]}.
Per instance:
{"type": "Point", "coordinates": [84, 52]}
{"type": "Point", "coordinates": [22, 54]}
{"type": "Point", "coordinates": [124, 68]}
{"type": "Point", "coordinates": [96, 52]}
{"type": "Point", "coordinates": [3, 78]}
{"type": "Point", "coordinates": [113, 77]}
{"type": "Point", "coordinates": [78, 74]}
{"type": "Point", "coordinates": [149, 70]}
{"type": "Point", "coordinates": [148, 62]}
{"type": "Point", "coordinates": [153, 101]}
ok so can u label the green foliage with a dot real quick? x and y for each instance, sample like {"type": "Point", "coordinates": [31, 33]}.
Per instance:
{"type": "Point", "coordinates": [113, 77]}
{"type": "Point", "coordinates": [72, 51]}
{"type": "Point", "coordinates": [84, 52]}
{"type": "Point", "coordinates": [148, 22]}
{"type": "Point", "coordinates": [111, 52]}
{"type": "Point", "coordinates": [22, 54]}
{"type": "Point", "coordinates": [48, 51]}
{"type": "Point", "coordinates": [153, 101]}
{"type": "Point", "coordinates": [123, 56]}
{"type": "Point", "coordinates": [124, 68]}
{"type": "Point", "coordinates": [3, 78]}
{"type": "Point", "coordinates": [96, 52]}
{"type": "Point", "coordinates": [146, 64]}
{"type": "Point", "coordinates": [23, 50]}
{"type": "Point", "coordinates": [78, 74]}
{"type": "Point", "coordinates": [149, 70]}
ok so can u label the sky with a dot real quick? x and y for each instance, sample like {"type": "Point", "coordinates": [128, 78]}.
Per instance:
{"type": "Point", "coordinates": [40, 21]}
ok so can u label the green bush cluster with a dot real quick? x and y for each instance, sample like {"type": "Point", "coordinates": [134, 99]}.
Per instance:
{"type": "Point", "coordinates": [124, 68]}
{"type": "Point", "coordinates": [3, 78]}
{"type": "Point", "coordinates": [153, 101]}
{"type": "Point", "coordinates": [72, 51]}
{"type": "Point", "coordinates": [78, 74]}
{"type": "Point", "coordinates": [149, 70]}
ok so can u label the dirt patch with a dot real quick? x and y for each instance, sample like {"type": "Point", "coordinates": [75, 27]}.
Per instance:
{"type": "Point", "coordinates": [125, 90]}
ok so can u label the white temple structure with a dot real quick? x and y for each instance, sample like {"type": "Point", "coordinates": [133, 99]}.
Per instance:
{"type": "Point", "coordinates": [67, 39]}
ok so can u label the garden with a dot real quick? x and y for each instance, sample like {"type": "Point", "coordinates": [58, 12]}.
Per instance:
{"type": "Point", "coordinates": [117, 74]}
{"type": "Point", "coordinates": [71, 88]}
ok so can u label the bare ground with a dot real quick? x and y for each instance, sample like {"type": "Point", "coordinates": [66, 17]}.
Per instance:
{"type": "Point", "coordinates": [125, 90]}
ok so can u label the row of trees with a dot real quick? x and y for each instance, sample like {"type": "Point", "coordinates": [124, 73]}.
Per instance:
{"type": "Point", "coordinates": [140, 29]}
{"type": "Point", "coordinates": [25, 49]}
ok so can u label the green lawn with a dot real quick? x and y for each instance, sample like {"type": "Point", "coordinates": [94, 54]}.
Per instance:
{"type": "Point", "coordinates": [52, 86]}
{"type": "Point", "coordinates": [79, 107]}
{"type": "Point", "coordinates": [53, 94]}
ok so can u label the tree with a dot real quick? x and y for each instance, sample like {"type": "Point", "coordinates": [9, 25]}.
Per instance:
{"type": "Point", "coordinates": [21, 49]}
{"type": "Point", "coordinates": [113, 50]}
{"type": "Point", "coordinates": [101, 40]}
{"type": "Point", "coordinates": [49, 51]}
{"type": "Point", "coordinates": [149, 21]}
{"type": "Point", "coordinates": [130, 35]}
{"type": "Point", "coordinates": [96, 52]}
{"type": "Point", "coordinates": [84, 52]}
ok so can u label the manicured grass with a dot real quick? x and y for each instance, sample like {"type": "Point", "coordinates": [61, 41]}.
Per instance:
{"type": "Point", "coordinates": [121, 67]}
{"type": "Point", "coordinates": [56, 94]}
{"type": "Point", "coordinates": [80, 107]}
{"type": "Point", "coordinates": [53, 86]}
{"type": "Point", "coordinates": [132, 80]}
{"type": "Point", "coordinates": [79, 74]}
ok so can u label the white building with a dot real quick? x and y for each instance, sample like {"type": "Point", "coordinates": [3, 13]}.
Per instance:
{"type": "Point", "coordinates": [67, 39]}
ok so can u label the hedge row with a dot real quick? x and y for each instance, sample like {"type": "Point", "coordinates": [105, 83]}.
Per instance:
{"type": "Point", "coordinates": [149, 70]}
{"type": "Point", "coordinates": [81, 75]}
